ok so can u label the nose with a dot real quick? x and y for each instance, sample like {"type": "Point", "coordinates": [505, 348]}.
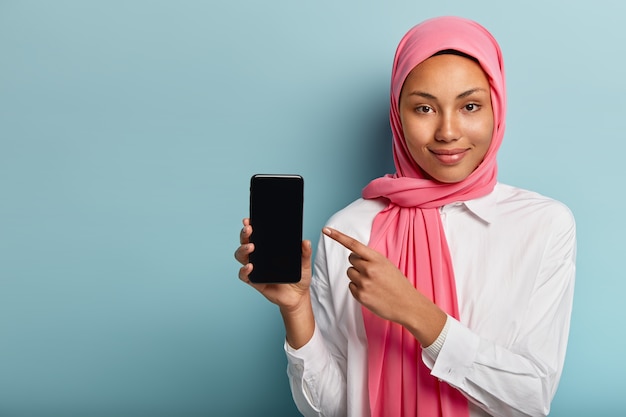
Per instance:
{"type": "Point", "coordinates": [448, 129]}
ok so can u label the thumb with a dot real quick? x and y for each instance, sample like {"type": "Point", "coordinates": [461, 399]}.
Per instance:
{"type": "Point", "coordinates": [307, 251]}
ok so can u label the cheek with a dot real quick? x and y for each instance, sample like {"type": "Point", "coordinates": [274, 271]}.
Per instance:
{"type": "Point", "coordinates": [416, 134]}
{"type": "Point", "coordinates": [482, 142]}
{"type": "Point", "coordinates": [415, 143]}
{"type": "Point", "coordinates": [481, 132]}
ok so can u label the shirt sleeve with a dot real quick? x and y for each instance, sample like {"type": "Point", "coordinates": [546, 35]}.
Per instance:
{"type": "Point", "coordinates": [519, 379]}
{"type": "Point", "coordinates": [316, 374]}
{"type": "Point", "coordinates": [316, 384]}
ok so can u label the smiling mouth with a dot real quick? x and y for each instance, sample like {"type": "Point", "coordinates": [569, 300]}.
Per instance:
{"type": "Point", "coordinates": [449, 156]}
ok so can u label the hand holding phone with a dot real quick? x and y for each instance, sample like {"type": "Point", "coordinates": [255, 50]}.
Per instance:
{"type": "Point", "coordinates": [276, 213]}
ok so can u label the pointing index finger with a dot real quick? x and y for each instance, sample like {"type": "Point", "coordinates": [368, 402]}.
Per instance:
{"type": "Point", "coordinates": [348, 242]}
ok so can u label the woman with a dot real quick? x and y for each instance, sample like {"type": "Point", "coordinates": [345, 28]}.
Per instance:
{"type": "Point", "coordinates": [441, 292]}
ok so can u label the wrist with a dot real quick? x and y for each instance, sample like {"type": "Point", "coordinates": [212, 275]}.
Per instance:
{"type": "Point", "coordinates": [434, 348]}
{"type": "Point", "coordinates": [299, 322]}
{"type": "Point", "coordinates": [299, 308]}
{"type": "Point", "coordinates": [426, 321]}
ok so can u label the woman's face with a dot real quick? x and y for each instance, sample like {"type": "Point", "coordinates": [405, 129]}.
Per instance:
{"type": "Point", "coordinates": [446, 115]}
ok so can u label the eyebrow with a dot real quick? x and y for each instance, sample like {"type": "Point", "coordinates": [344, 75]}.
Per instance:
{"type": "Point", "coordinates": [460, 96]}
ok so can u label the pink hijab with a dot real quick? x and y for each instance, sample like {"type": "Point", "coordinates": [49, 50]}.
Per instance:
{"type": "Point", "coordinates": [409, 230]}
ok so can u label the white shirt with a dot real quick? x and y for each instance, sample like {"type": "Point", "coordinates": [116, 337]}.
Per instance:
{"type": "Point", "coordinates": [513, 253]}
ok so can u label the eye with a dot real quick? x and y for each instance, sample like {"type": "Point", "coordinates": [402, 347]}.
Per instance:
{"type": "Point", "coordinates": [471, 107]}
{"type": "Point", "coordinates": [424, 109]}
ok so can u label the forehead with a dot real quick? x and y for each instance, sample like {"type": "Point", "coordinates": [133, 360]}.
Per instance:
{"type": "Point", "coordinates": [447, 72]}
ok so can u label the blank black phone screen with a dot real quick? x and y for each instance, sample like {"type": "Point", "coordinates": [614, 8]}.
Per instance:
{"type": "Point", "coordinates": [276, 211]}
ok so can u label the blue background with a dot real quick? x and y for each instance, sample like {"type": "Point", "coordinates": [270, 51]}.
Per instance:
{"type": "Point", "coordinates": [128, 134]}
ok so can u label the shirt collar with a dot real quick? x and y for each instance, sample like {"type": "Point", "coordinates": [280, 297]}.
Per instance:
{"type": "Point", "coordinates": [485, 207]}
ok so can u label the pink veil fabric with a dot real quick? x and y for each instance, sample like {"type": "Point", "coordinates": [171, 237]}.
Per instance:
{"type": "Point", "coordinates": [409, 230]}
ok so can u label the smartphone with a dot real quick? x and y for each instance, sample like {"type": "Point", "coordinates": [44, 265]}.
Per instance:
{"type": "Point", "coordinates": [276, 212]}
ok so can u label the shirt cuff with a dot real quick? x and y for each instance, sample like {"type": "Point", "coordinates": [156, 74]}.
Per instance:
{"type": "Point", "coordinates": [312, 356]}
{"type": "Point", "coordinates": [304, 366]}
{"type": "Point", "coordinates": [456, 358]}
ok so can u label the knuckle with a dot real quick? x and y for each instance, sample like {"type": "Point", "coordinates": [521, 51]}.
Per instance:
{"type": "Point", "coordinates": [241, 254]}
{"type": "Point", "coordinates": [243, 274]}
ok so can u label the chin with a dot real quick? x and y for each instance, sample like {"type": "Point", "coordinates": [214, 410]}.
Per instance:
{"type": "Point", "coordinates": [449, 175]}
{"type": "Point", "coordinates": [448, 179]}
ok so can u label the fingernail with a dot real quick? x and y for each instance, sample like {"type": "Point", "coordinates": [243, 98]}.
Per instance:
{"type": "Point", "coordinates": [326, 231]}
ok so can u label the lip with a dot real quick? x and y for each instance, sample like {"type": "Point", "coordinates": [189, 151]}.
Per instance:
{"type": "Point", "coordinates": [449, 156]}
